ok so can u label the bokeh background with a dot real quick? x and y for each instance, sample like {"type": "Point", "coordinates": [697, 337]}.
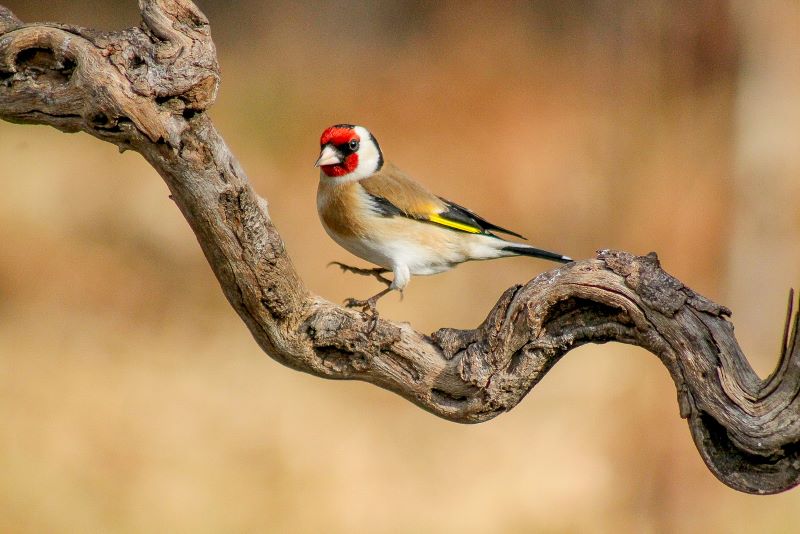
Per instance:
{"type": "Point", "coordinates": [132, 399]}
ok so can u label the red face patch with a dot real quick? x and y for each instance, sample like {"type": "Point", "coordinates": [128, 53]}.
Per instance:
{"type": "Point", "coordinates": [340, 137]}
{"type": "Point", "coordinates": [349, 164]}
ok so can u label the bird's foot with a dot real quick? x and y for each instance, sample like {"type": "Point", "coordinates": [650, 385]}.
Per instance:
{"type": "Point", "coordinates": [369, 310]}
{"type": "Point", "coordinates": [368, 307]}
{"type": "Point", "coordinates": [377, 272]}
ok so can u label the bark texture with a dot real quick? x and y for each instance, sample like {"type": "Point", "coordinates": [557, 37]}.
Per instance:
{"type": "Point", "coordinates": [147, 89]}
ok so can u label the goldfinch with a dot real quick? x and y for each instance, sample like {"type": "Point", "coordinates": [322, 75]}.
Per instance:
{"type": "Point", "coordinates": [378, 213]}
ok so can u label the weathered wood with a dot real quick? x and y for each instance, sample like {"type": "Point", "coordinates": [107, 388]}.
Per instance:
{"type": "Point", "coordinates": [147, 89]}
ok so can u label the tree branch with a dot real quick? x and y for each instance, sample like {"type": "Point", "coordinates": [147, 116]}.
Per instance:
{"type": "Point", "coordinates": [147, 89]}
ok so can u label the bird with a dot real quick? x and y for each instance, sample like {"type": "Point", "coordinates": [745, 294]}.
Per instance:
{"type": "Point", "coordinates": [380, 214]}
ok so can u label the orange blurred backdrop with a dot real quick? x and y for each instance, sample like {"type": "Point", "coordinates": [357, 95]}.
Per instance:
{"type": "Point", "coordinates": [133, 399]}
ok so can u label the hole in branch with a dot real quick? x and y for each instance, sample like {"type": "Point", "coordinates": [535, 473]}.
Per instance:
{"type": "Point", "coordinates": [68, 67]}
{"type": "Point", "coordinates": [136, 61]}
{"type": "Point", "coordinates": [445, 398]}
{"type": "Point", "coordinates": [99, 119]}
{"type": "Point", "coordinates": [43, 62]}
{"type": "Point", "coordinates": [569, 313]}
{"type": "Point", "coordinates": [192, 18]}
{"type": "Point", "coordinates": [728, 457]}
{"type": "Point", "coordinates": [42, 58]}
{"type": "Point", "coordinates": [517, 360]}
{"type": "Point", "coordinates": [102, 122]}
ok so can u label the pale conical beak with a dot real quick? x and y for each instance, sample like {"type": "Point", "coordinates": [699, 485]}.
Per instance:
{"type": "Point", "coordinates": [328, 156]}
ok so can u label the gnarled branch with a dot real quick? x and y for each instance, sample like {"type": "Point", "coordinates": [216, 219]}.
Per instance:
{"type": "Point", "coordinates": [147, 89]}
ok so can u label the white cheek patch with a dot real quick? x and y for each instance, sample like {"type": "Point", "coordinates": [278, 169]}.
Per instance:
{"type": "Point", "coordinates": [369, 155]}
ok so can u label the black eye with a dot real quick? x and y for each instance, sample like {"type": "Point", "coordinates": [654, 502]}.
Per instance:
{"type": "Point", "coordinates": [353, 145]}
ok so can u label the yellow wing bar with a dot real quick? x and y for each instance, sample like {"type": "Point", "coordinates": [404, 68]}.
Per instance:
{"type": "Point", "coordinates": [453, 224]}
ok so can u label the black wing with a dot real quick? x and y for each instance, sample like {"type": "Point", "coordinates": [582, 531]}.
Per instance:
{"type": "Point", "coordinates": [454, 217]}
{"type": "Point", "coordinates": [462, 215]}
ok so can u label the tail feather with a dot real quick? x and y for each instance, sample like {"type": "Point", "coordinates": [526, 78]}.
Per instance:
{"type": "Point", "coordinates": [525, 250]}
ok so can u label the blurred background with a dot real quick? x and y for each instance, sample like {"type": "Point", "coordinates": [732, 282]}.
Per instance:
{"type": "Point", "coordinates": [133, 399]}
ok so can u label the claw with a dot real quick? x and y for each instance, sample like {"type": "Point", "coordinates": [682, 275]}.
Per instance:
{"type": "Point", "coordinates": [377, 272]}
{"type": "Point", "coordinates": [369, 310]}
{"type": "Point", "coordinates": [368, 307]}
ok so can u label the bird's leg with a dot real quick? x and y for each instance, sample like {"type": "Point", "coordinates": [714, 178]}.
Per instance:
{"type": "Point", "coordinates": [369, 305]}
{"type": "Point", "coordinates": [377, 272]}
